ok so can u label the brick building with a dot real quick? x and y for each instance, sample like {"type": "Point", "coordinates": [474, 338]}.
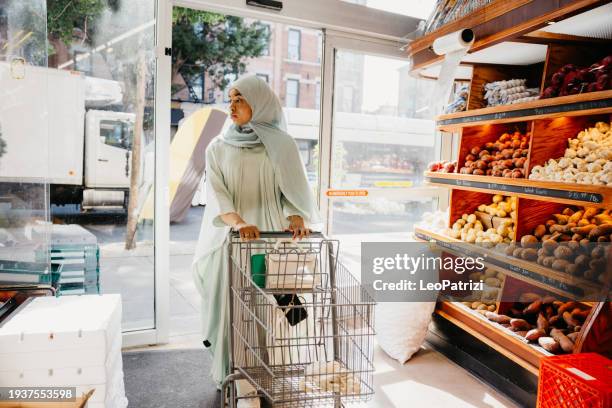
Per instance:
{"type": "Point", "coordinates": [292, 67]}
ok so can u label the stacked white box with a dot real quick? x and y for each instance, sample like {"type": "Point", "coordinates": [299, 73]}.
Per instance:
{"type": "Point", "coordinates": [72, 341]}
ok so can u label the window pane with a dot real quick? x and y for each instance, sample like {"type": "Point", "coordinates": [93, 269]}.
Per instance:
{"type": "Point", "coordinates": [117, 64]}
{"type": "Point", "coordinates": [294, 44]}
{"type": "Point", "coordinates": [24, 143]}
{"type": "Point", "coordinates": [302, 125]}
{"type": "Point", "coordinates": [118, 134]}
{"type": "Point", "coordinates": [382, 137]}
{"type": "Point", "coordinates": [293, 89]}
{"type": "Point", "coordinates": [266, 50]}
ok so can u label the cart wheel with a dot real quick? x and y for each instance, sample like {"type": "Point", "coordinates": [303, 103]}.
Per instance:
{"type": "Point", "coordinates": [228, 391]}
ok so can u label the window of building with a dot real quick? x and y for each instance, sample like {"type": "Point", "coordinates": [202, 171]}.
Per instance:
{"type": "Point", "coordinates": [318, 96]}
{"type": "Point", "coordinates": [265, 77]}
{"type": "Point", "coordinates": [294, 42]}
{"type": "Point", "coordinates": [319, 47]}
{"type": "Point", "coordinates": [268, 32]}
{"type": "Point", "coordinates": [293, 93]}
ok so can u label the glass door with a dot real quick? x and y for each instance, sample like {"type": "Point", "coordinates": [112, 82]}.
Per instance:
{"type": "Point", "coordinates": [78, 154]}
{"type": "Point", "coordinates": [380, 141]}
{"type": "Point", "coordinates": [24, 143]}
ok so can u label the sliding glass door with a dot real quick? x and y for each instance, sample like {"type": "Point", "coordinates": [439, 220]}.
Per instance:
{"type": "Point", "coordinates": [380, 139]}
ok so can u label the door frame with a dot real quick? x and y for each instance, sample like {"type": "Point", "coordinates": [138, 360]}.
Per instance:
{"type": "Point", "coordinates": [160, 333]}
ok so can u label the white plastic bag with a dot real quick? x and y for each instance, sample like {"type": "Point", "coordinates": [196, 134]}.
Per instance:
{"type": "Point", "coordinates": [290, 345]}
{"type": "Point", "coordinates": [290, 267]}
{"type": "Point", "coordinates": [401, 327]}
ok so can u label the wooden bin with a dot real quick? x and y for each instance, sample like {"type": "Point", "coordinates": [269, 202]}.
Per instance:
{"type": "Point", "coordinates": [581, 55]}
{"type": "Point", "coordinates": [487, 73]}
{"type": "Point", "coordinates": [549, 138]}
{"type": "Point", "coordinates": [479, 136]}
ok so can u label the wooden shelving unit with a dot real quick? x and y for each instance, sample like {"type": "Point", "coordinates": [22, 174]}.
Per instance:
{"type": "Point", "coordinates": [504, 358]}
{"type": "Point", "coordinates": [594, 336]}
{"type": "Point", "coordinates": [548, 123]}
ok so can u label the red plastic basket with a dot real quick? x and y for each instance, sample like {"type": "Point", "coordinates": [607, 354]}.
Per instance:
{"type": "Point", "coordinates": [575, 381]}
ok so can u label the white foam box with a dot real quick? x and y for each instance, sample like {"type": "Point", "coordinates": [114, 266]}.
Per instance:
{"type": "Point", "coordinates": [54, 324]}
{"type": "Point", "coordinates": [59, 373]}
{"type": "Point", "coordinates": [105, 392]}
{"type": "Point", "coordinates": [62, 341]}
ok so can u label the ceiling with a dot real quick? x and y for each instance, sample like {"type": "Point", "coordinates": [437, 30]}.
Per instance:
{"type": "Point", "coordinates": [596, 23]}
{"type": "Point", "coordinates": [510, 53]}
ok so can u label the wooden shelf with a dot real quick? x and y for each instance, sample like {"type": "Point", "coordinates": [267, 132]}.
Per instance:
{"type": "Point", "coordinates": [565, 193]}
{"type": "Point", "coordinates": [560, 283]}
{"type": "Point", "coordinates": [502, 340]}
{"type": "Point", "coordinates": [590, 103]}
{"type": "Point", "coordinates": [499, 21]}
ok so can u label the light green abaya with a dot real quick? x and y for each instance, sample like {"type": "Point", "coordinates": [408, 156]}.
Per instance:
{"type": "Point", "coordinates": [244, 182]}
{"type": "Point", "coordinates": [246, 173]}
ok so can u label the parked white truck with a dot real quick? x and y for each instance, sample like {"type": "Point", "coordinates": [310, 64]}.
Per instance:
{"type": "Point", "coordinates": [71, 139]}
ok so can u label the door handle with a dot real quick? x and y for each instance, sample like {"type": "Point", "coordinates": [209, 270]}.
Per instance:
{"type": "Point", "coordinates": [103, 160]}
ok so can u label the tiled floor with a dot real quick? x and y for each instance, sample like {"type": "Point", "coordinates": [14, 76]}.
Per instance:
{"type": "Point", "coordinates": [428, 380]}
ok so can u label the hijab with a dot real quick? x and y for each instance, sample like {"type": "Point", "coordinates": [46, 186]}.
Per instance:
{"type": "Point", "coordinates": [241, 136]}
{"type": "Point", "coordinates": [267, 127]}
{"type": "Point", "coordinates": [270, 128]}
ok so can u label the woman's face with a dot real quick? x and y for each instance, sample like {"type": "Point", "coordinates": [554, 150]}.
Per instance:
{"type": "Point", "coordinates": [240, 110]}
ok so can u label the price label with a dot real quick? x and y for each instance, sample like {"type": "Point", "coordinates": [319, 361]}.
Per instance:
{"type": "Point", "coordinates": [588, 197]}
{"type": "Point", "coordinates": [539, 111]}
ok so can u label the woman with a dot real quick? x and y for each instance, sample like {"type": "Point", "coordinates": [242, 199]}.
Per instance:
{"type": "Point", "coordinates": [255, 181]}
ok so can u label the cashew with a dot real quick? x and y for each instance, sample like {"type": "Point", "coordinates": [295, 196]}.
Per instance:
{"type": "Point", "coordinates": [594, 167]}
{"type": "Point", "coordinates": [565, 162]}
{"type": "Point", "coordinates": [570, 153]}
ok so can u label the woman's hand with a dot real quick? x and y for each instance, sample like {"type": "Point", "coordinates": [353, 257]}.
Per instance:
{"type": "Point", "coordinates": [247, 232]}
{"type": "Point", "coordinates": [296, 225]}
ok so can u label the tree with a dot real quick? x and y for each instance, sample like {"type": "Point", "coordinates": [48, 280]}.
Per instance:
{"type": "Point", "coordinates": [216, 43]}
{"type": "Point", "coordinates": [132, 220]}
{"type": "Point", "coordinates": [64, 16]}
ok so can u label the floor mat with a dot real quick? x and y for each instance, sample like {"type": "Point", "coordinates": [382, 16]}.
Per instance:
{"type": "Point", "coordinates": [169, 378]}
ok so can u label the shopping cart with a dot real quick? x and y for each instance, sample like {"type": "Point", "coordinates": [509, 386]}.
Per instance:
{"type": "Point", "coordinates": [301, 335]}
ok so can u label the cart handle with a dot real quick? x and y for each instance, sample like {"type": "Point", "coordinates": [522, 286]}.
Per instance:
{"type": "Point", "coordinates": [279, 234]}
